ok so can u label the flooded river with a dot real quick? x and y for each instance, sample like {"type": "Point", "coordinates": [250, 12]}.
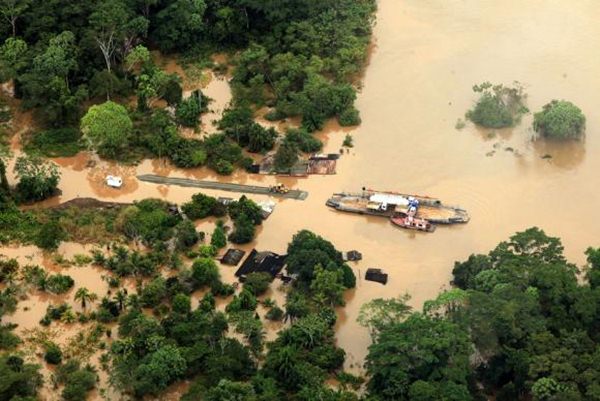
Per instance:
{"type": "Point", "coordinates": [426, 57]}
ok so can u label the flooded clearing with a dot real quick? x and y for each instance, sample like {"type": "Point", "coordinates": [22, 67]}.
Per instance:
{"type": "Point", "coordinates": [426, 57]}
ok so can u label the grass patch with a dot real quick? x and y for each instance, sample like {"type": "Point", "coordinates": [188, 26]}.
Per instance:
{"type": "Point", "coordinates": [62, 142]}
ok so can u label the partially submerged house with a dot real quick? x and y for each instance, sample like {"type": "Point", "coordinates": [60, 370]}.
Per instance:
{"type": "Point", "coordinates": [376, 275]}
{"type": "Point", "coordinates": [257, 262]}
{"type": "Point", "coordinates": [324, 164]}
{"type": "Point", "coordinates": [351, 256]}
{"type": "Point", "coordinates": [232, 257]}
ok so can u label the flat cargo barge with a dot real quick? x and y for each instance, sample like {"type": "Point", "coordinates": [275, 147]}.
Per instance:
{"type": "Point", "coordinates": [389, 204]}
{"type": "Point", "coordinates": [223, 186]}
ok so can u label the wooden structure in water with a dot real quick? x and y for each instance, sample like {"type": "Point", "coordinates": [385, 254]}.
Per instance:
{"type": "Point", "coordinates": [316, 164]}
{"type": "Point", "coordinates": [376, 275]}
{"type": "Point", "coordinates": [222, 186]}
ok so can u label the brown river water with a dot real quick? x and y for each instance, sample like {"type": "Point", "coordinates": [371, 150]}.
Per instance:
{"type": "Point", "coordinates": [426, 56]}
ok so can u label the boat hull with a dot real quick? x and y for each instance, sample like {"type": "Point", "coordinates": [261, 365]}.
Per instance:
{"type": "Point", "coordinates": [416, 224]}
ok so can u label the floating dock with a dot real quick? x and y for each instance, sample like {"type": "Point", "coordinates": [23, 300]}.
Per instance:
{"type": "Point", "coordinates": [222, 186]}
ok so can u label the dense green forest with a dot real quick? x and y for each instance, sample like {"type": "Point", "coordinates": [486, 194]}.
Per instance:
{"type": "Point", "coordinates": [518, 325]}
{"type": "Point", "coordinates": [300, 58]}
{"type": "Point", "coordinates": [521, 324]}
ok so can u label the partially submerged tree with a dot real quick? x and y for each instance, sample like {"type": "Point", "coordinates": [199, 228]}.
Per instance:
{"type": "Point", "coordinates": [286, 157]}
{"type": "Point", "coordinates": [85, 296]}
{"type": "Point", "coordinates": [38, 179]}
{"type": "Point", "coordinates": [498, 106]}
{"type": "Point", "coordinates": [559, 119]}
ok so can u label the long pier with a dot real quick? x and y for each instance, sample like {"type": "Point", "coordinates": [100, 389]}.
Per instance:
{"type": "Point", "coordinates": [222, 186]}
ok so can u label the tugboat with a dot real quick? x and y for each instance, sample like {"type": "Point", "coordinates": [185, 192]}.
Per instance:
{"type": "Point", "coordinates": [408, 219]}
{"type": "Point", "coordinates": [403, 220]}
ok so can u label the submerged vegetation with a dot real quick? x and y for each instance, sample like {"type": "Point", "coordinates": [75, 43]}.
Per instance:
{"type": "Point", "coordinates": [559, 119]}
{"type": "Point", "coordinates": [297, 58]}
{"type": "Point", "coordinates": [518, 326]}
{"type": "Point", "coordinates": [498, 106]}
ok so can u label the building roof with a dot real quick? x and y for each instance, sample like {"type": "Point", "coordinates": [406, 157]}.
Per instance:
{"type": "Point", "coordinates": [233, 256]}
{"type": "Point", "coordinates": [257, 262]}
{"type": "Point", "coordinates": [376, 275]}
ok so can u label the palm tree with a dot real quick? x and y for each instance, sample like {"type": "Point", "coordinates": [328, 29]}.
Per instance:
{"type": "Point", "coordinates": [134, 301]}
{"type": "Point", "coordinates": [120, 298]}
{"type": "Point", "coordinates": [85, 296]}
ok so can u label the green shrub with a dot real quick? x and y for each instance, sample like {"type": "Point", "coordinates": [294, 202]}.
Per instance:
{"type": "Point", "coordinates": [207, 251]}
{"type": "Point", "coordinates": [202, 206]}
{"type": "Point", "coordinates": [35, 275]}
{"type": "Point", "coordinates": [223, 167]}
{"type": "Point", "coordinates": [559, 119]}
{"type": "Point", "coordinates": [172, 91]}
{"type": "Point", "coordinates": [498, 106]}
{"type": "Point", "coordinates": [286, 157]}
{"type": "Point", "coordinates": [188, 111]}
{"type": "Point", "coordinates": [261, 139]}
{"type": "Point", "coordinates": [186, 235]}
{"type": "Point", "coordinates": [77, 381]}
{"type": "Point", "coordinates": [257, 283]}
{"type": "Point", "coordinates": [8, 267]}
{"type": "Point", "coordinates": [149, 220]}
{"type": "Point", "coordinates": [186, 153]}
{"type": "Point", "coordinates": [274, 115]}
{"type": "Point", "coordinates": [205, 272]}
{"type": "Point", "coordinates": [60, 142]}
{"type": "Point", "coordinates": [305, 141]}
{"type": "Point", "coordinates": [53, 354]}
{"type": "Point", "coordinates": [58, 283]}
{"type": "Point", "coordinates": [8, 340]}
{"type": "Point", "coordinates": [247, 207]}
{"type": "Point", "coordinates": [154, 292]}
{"type": "Point", "coordinates": [348, 142]}
{"type": "Point", "coordinates": [275, 313]}
{"type": "Point", "coordinates": [219, 148]}
{"type": "Point", "coordinates": [20, 380]}
{"type": "Point", "coordinates": [38, 179]}
{"type": "Point", "coordinates": [218, 238]}
{"type": "Point", "coordinates": [50, 235]}
{"type": "Point", "coordinates": [238, 125]}
{"type": "Point", "coordinates": [349, 117]}
{"type": "Point", "coordinates": [243, 230]}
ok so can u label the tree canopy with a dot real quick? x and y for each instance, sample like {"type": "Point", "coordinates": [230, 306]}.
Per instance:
{"type": "Point", "coordinates": [559, 119]}
{"type": "Point", "coordinates": [107, 127]}
{"type": "Point", "coordinates": [520, 326]}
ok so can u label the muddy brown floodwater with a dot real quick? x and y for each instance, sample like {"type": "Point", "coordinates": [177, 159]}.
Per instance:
{"type": "Point", "coordinates": [426, 57]}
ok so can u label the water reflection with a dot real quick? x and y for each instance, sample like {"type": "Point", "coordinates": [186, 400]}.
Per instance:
{"type": "Point", "coordinates": [566, 154]}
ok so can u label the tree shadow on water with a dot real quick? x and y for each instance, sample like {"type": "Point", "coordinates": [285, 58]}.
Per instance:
{"type": "Point", "coordinates": [564, 154]}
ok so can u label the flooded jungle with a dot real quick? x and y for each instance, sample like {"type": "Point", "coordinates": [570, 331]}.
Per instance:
{"type": "Point", "coordinates": [425, 58]}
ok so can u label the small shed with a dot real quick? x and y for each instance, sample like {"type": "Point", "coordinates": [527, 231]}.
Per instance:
{"type": "Point", "coordinates": [376, 275]}
{"type": "Point", "coordinates": [257, 262]}
{"type": "Point", "coordinates": [232, 257]}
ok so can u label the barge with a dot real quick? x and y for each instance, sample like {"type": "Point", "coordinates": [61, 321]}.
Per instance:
{"type": "Point", "coordinates": [392, 204]}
